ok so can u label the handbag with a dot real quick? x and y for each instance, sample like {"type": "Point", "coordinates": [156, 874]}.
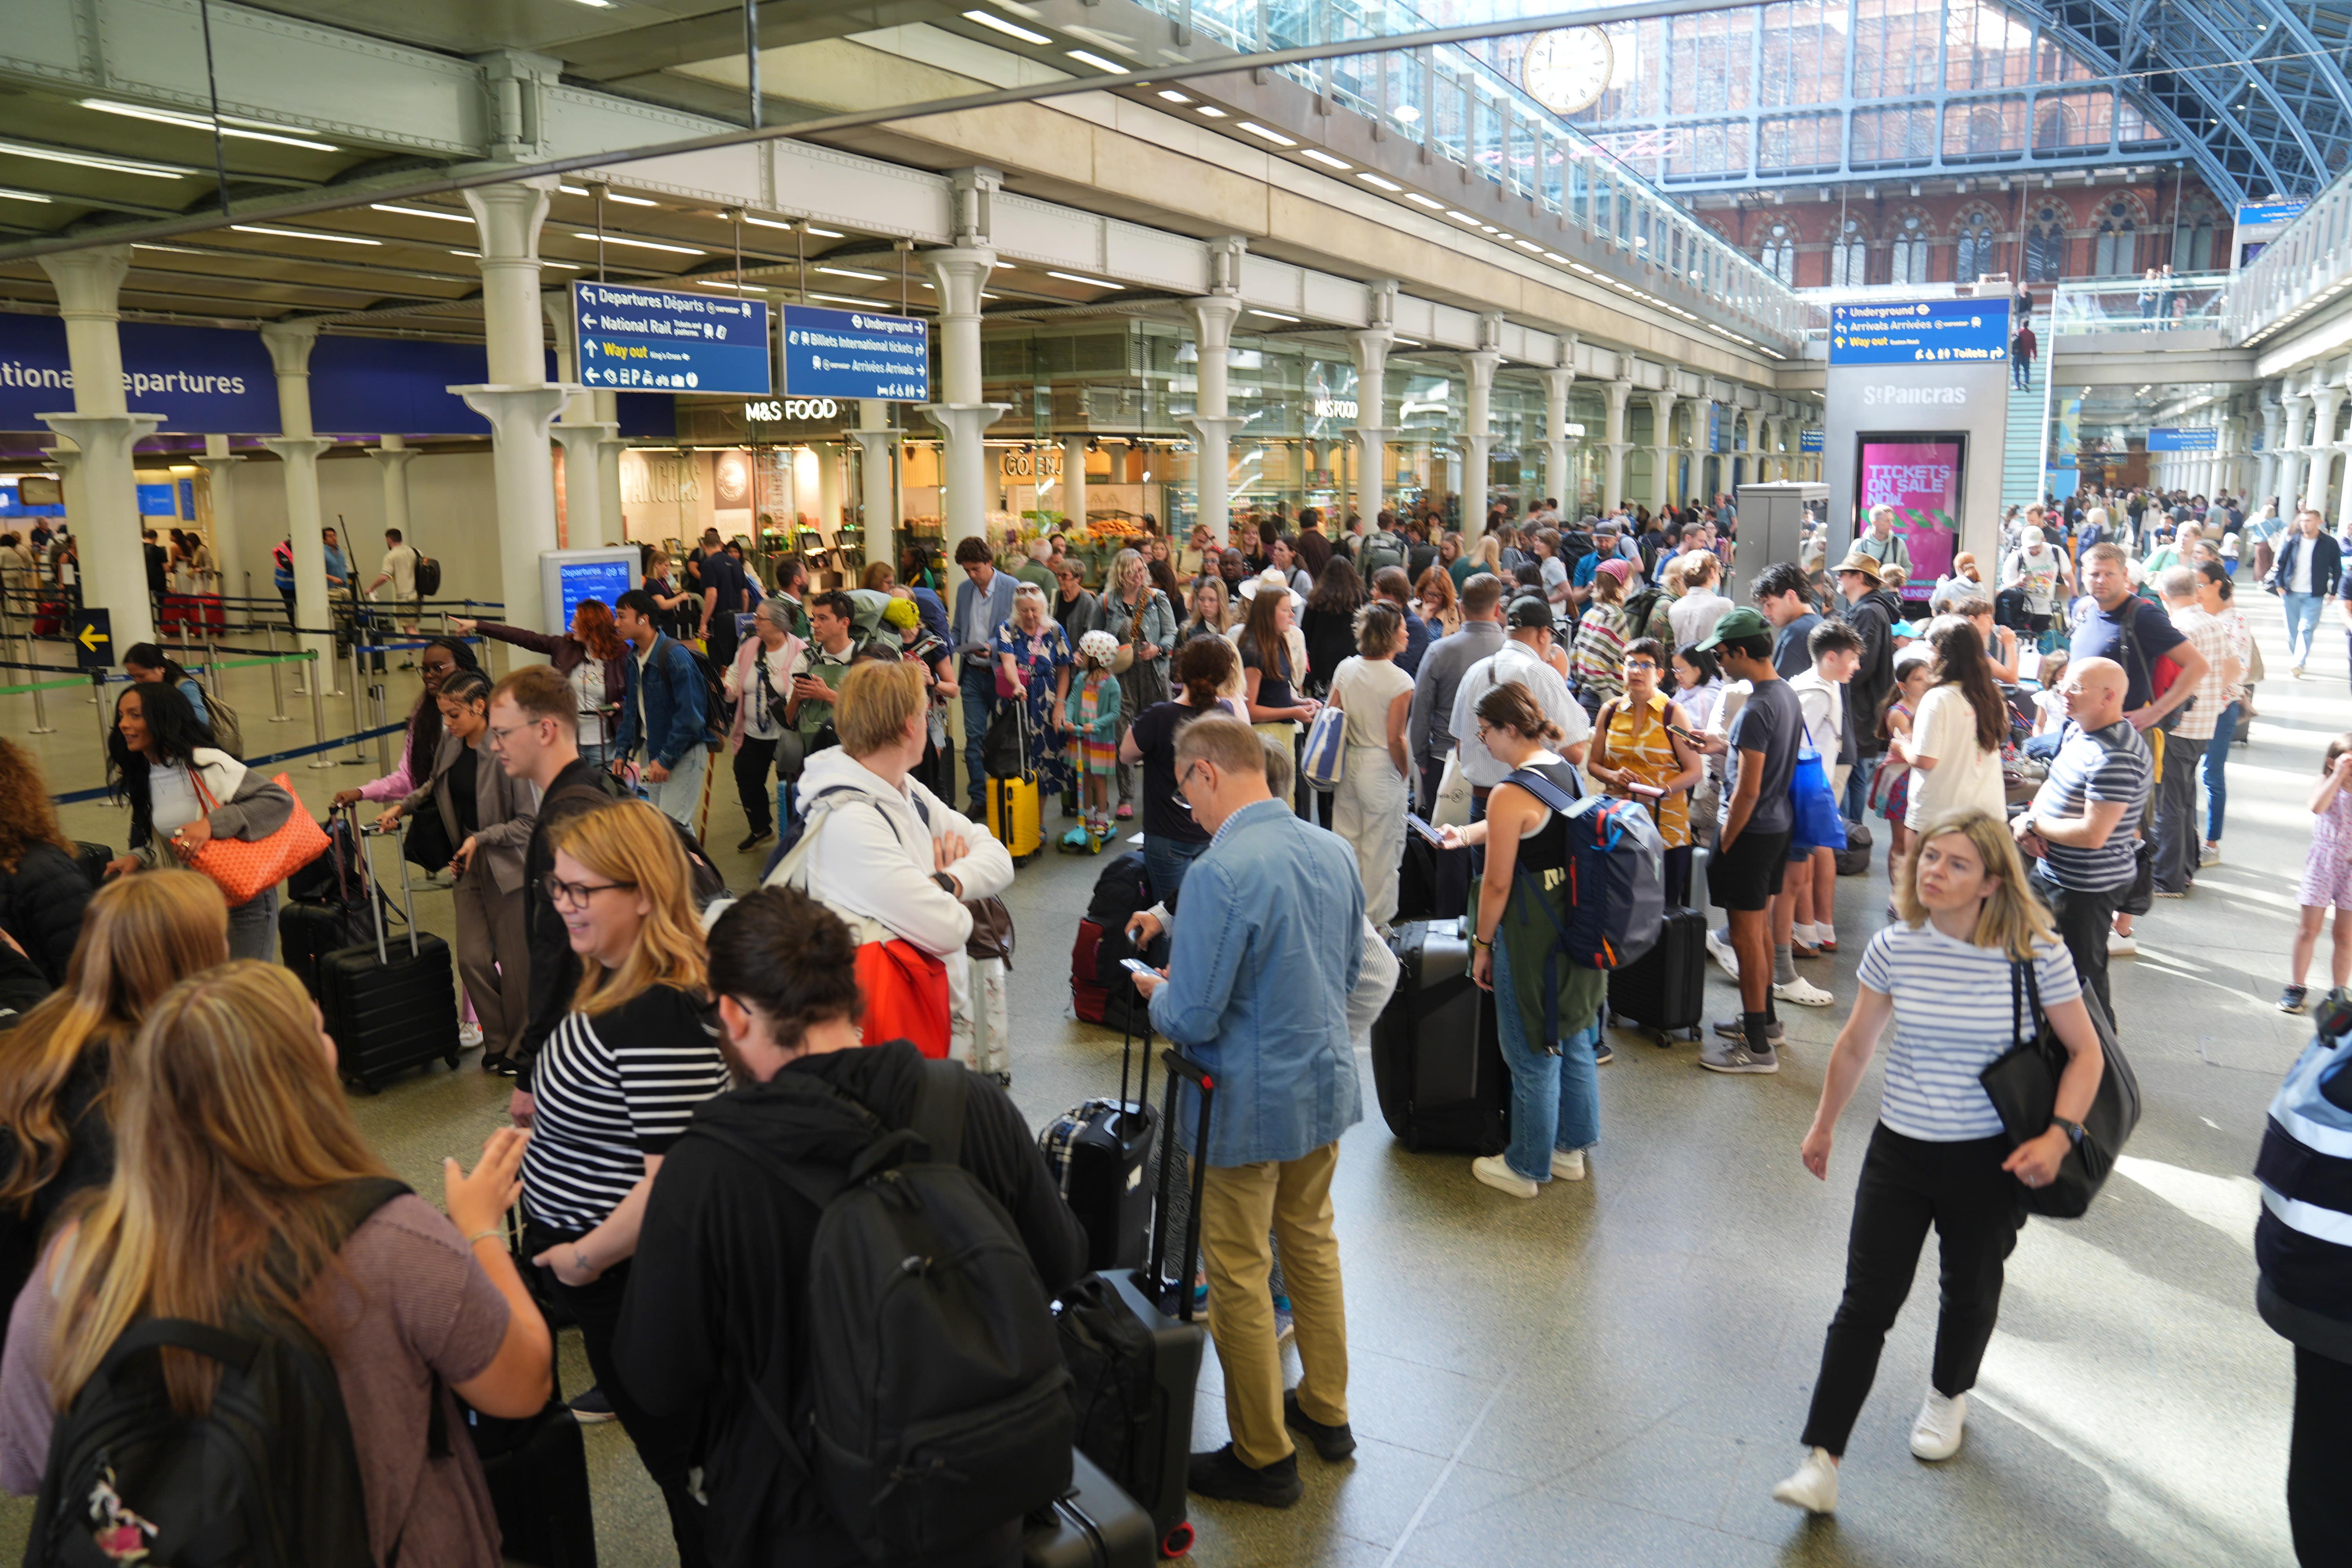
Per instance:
{"type": "Point", "coordinates": [427, 843]}
{"type": "Point", "coordinates": [1452, 807]}
{"type": "Point", "coordinates": [246, 868]}
{"type": "Point", "coordinates": [991, 928]}
{"type": "Point", "coordinates": [1004, 748]}
{"type": "Point", "coordinates": [1325, 753]}
{"type": "Point", "coordinates": [2022, 1084]}
{"type": "Point", "coordinates": [905, 992]}
{"type": "Point", "coordinates": [1817, 821]}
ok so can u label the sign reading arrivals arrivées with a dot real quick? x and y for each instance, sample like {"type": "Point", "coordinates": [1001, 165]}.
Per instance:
{"type": "Point", "coordinates": [661, 339]}
{"type": "Point", "coordinates": [857, 353]}
{"type": "Point", "coordinates": [1919, 332]}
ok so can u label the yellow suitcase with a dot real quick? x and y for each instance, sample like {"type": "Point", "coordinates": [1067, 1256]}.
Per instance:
{"type": "Point", "coordinates": [1014, 816]}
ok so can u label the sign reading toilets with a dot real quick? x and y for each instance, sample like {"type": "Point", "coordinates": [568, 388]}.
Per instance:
{"type": "Point", "coordinates": [661, 339]}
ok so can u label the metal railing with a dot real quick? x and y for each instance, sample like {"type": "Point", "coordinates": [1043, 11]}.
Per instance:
{"type": "Point", "coordinates": [2302, 269]}
{"type": "Point", "coordinates": [2190, 301]}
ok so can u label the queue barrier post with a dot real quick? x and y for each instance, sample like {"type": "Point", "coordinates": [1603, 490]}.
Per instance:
{"type": "Point", "coordinates": [98, 695]}
{"type": "Point", "coordinates": [317, 715]}
{"type": "Point", "coordinates": [41, 725]}
{"type": "Point", "coordinates": [276, 681]}
{"type": "Point", "coordinates": [359, 715]}
{"type": "Point", "coordinates": [383, 742]}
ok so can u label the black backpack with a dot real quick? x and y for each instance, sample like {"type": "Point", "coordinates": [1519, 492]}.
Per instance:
{"type": "Point", "coordinates": [267, 1478]}
{"type": "Point", "coordinates": [717, 710]}
{"type": "Point", "coordinates": [428, 575]}
{"type": "Point", "coordinates": [939, 1405]}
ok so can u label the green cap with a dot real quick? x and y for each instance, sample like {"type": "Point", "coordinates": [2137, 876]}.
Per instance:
{"type": "Point", "coordinates": [1736, 624]}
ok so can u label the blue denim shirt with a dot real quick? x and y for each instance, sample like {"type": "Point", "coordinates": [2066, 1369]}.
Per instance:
{"type": "Point", "coordinates": [1267, 942]}
{"type": "Point", "coordinates": [676, 704]}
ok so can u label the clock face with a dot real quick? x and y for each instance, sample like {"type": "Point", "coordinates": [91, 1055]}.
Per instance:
{"type": "Point", "coordinates": [1568, 68]}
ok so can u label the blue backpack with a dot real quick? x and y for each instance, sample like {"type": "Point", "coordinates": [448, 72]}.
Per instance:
{"type": "Point", "coordinates": [1616, 890]}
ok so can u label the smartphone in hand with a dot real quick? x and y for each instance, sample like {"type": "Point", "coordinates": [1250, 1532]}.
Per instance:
{"type": "Point", "coordinates": [1137, 966]}
{"type": "Point", "coordinates": [1415, 821]}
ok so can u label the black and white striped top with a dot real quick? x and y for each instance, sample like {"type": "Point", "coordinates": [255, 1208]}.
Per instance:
{"type": "Point", "coordinates": [606, 1091]}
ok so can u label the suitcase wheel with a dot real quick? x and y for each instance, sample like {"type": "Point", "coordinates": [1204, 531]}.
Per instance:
{"type": "Point", "coordinates": [452, 1059]}
{"type": "Point", "coordinates": [1177, 1541]}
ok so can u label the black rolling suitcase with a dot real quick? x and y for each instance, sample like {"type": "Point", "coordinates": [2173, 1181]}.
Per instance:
{"type": "Point", "coordinates": [1099, 1151]}
{"type": "Point", "coordinates": [1093, 1525]}
{"type": "Point", "coordinates": [1437, 1060]}
{"type": "Point", "coordinates": [537, 1473]}
{"type": "Point", "coordinates": [1134, 1352]}
{"type": "Point", "coordinates": [389, 1010]}
{"type": "Point", "coordinates": [1433, 884]}
{"type": "Point", "coordinates": [1664, 990]}
{"type": "Point", "coordinates": [93, 859]}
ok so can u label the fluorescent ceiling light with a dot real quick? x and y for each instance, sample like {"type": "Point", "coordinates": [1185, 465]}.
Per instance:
{"type": "Point", "coordinates": [738, 287]}
{"type": "Point", "coordinates": [89, 160]}
{"type": "Point", "coordinates": [1272, 315]}
{"type": "Point", "coordinates": [821, 233]}
{"type": "Point", "coordinates": [1277, 137]}
{"type": "Point", "coordinates": [567, 266]}
{"type": "Point", "coordinates": [1325, 159]}
{"type": "Point", "coordinates": [1009, 29]}
{"type": "Point", "coordinates": [174, 249]}
{"type": "Point", "coordinates": [1489, 228]}
{"type": "Point", "coordinates": [1527, 245]}
{"type": "Point", "coordinates": [1419, 200]}
{"type": "Point", "coordinates": [1377, 183]}
{"type": "Point", "coordinates": [767, 222]}
{"type": "Point", "coordinates": [854, 272]}
{"type": "Point", "coordinates": [1081, 277]}
{"type": "Point", "coordinates": [1210, 111]}
{"type": "Point", "coordinates": [575, 190]}
{"type": "Point", "coordinates": [862, 304]}
{"type": "Point", "coordinates": [629, 201]}
{"type": "Point", "coordinates": [595, 5]}
{"type": "Point", "coordinates": [1403, 343]}
{"type": "Point", "coordinates": [1555, 255]}
{"type": "Point", "coordinates": [302, 234]}
{"type": "Point", "coordinates": [643, 243]}
{"type": "Point", "coordinates": [1172, 96]}
{"type": "Point", "coordinates": [419, 212]}
{"type": "Point", "coordinates": [470, 255]}
{"type": "Point", "coordinates": [1460, 216]}
{"type": "Point", "coordinates": [1088, 58]}
{"type": "Point", "coordinates": [10, 196]}
{"type": "Point", "coordinates": [228, 127]}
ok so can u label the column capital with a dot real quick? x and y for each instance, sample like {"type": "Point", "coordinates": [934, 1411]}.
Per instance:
{"type": "Point", "coordinates": [1370, 432]}
{"type": "Point", "coordinates": [1380, 336]}
{"type": "Point", "coordinates": [515, 412]}
{"type": "Point", "coordinates": [1621, 392]}
{"type": "Point", "coordinates": [92, 433]}
{"type": "Point", "coordinates": [1213, 315]}
{"type": "Point", "coordinates": [1557, 380]}
{"type": "Point", "coordinates": [394, 457]}
{"type": "Point", "coordinates": [509, 216]}
{"type": "Point", "coordinates": [1479, 365]}
{"type": "Point", "coordinates": [1211, 427]}
{"type": "Point", "coordinates": [963, 419]}
{"type": "Point", "coordinates": [592, 434]}
{"type": "Point", "coordinates": [957, 273]}
{"type": "Point", "coordinates": [290, 344]}
{"type": "Point", "coordinates": [878, 442]}
{"type": "Point", "coordinates": [300, 448]}
{"type": "Point", "coordinates": [88, 283]}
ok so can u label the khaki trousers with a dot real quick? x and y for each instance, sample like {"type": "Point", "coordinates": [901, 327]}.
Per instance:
{"type": "Point", "coordinates": [1239, 1205]}
{"type": "Point", "coordinates": [493, 959]}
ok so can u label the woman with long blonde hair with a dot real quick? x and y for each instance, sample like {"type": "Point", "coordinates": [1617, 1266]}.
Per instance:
{"type": "Point", "coordinates": [138, 936]}
{"type": "Point", "coordinates": [245, 1198]}
{"type": "Point", "coordinates": [610, 1092]}
{"type": "Point", "coordinates": [1953, 974]}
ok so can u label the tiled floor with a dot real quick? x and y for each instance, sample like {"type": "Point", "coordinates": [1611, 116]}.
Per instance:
{"type": "Point", "coordinates": [1615, 1373]}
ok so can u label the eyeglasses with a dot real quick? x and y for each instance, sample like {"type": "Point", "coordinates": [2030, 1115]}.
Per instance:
{"type": "Point", "coordinates": [1649, 665]}
{"type": "Point", "coordinates": [575, 895]}
{"type": "Point", "coordinates": [499, 736]}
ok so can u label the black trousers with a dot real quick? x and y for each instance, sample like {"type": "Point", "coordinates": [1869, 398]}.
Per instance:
{"type": "Point", "coordinates": [2174, 815]}
{"type": "Point", "coordinates": [722, 642]}
{"type": "Point", "coordinates": [2318, 1500]}
{"type": "Point", "coordinates": [1906, 1186]}
{"type": "Point", "coordinates": [1677, 873]}
{"type": "Point", "coordinates": [665, 1445]}
{"type": "Point", "coordinates": [753, 759]}
{"type": "Point", "coordinates": [2083, 921]}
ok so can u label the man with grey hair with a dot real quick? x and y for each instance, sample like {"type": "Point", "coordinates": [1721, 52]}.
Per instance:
{"type": "Point", "coordinates": [2177, 839]}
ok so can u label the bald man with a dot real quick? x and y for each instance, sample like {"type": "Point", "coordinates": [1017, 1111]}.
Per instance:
{"type": "Point", "coordinates": [2083, 825]}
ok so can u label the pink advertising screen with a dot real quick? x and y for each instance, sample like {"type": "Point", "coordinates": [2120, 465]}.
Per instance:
{"type": "Point", "coordinates": [1920, 478]}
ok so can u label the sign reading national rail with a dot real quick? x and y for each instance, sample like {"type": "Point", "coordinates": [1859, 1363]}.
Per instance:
{"type": "Point", "coordinates": [2165, 438]}
{"type": "Point", "coordinates": [657, 340]}
{"type": "Point", "coordinates": [857, 353]}
{"type": "Point", "coordinates": [1919, 332]}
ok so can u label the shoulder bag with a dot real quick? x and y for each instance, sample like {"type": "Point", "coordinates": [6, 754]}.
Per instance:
{"type": "Point", "coordinates": [1325, 756]}
{"type": "Point", "coordinates": [2023, 1087]}
{"type": "Point", "coordinates": [244, 868]}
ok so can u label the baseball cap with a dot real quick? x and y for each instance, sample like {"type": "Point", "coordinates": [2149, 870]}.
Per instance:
{"type": "Point", "coordinates": [1735, 624]}
{"type": "Point", "coordinates": [1529, 611]}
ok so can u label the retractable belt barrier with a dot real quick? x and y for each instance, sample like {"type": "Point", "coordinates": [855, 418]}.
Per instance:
{"type": "Point", "coordinates": [78, 796]}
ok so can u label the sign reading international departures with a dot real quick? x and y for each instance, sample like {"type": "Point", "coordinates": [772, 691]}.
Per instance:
{"type": "Point", "coordinates": [659, 340]}
{"type": "Point", "coordinates": [857, 353]}
{"type": "Point", "coordinates": [2166, 439]}
{"type": "Point", "coordinates": [1919, 332]}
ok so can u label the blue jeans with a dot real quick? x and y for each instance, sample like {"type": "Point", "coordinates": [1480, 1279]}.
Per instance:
{"type": "Point", "coordinates": [2216, 763]}
{"type": "Point", "coordinates": [1165, 861]}
{"type": "Point", "coordinates": [1554, 1100]}
{"type": "Point", "coordinates": [1856, 804]}
{"type": "Point", "coordinates": [2302, 623]}
{"type": "Point", "coordinates": [979, 683]}
{"type": "Point", "coordinates": [2042, 748]}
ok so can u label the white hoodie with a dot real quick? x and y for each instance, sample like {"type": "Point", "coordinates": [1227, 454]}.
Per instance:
{"type": "Point", "coordinates": [871, 863]}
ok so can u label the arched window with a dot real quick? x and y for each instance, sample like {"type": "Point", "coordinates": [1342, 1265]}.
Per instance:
{"type": "Point", "coordinates": [1907, 256]}
{"type": "Point", "coordinates": [1849, 256]}
{"type": "Point", "coordinates": [1975, 253]}
{"type": "Point", "coordinates": [2200, 252]}
{"type": "Point", "coordinates": [2045, 244]}
{"type": "Point", "coordinates": [1778, 255]}
{"type": "Point", "coordinates": [2112, 256]}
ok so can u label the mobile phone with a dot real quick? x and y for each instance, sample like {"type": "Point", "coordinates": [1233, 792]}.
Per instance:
{"type": "Point", "coordinates": [1137, 966]}
{"type": "Point", "coordinates": [1413, 821]}
{"type": "Point", "coordinates": [1690, 735]}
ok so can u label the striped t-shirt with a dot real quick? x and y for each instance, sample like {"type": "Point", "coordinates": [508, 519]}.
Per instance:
{"type": "Point", "coordinates": [607, 1091]}
{"type": "Point", "coordinates": [1952, 1020]}
{"type": "Point", "coordinates": [2107, 766]}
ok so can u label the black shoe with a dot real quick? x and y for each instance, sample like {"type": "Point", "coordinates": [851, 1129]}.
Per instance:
{"type": "Point", "coordinates": [756, 838]}
{"type": "Point", "coordinates": [1601, 1053]}
{"type": "Point", "coordinates": [1222, 1476]}
{"type": "Point", "coordinates": [499, 1062]}
{"type": "Point", "coordinates": [591, 1407]}
{"type": "Point", "coordinates": [1333, 1443]}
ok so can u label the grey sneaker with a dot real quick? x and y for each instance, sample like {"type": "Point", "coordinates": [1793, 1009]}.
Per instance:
{"type": "Point", "coordinates": [2292, 999]}
{"type": "Point", "coordinates": [1733, 1028]}
{"type": "Point", "coordinates": [1735, 1057]}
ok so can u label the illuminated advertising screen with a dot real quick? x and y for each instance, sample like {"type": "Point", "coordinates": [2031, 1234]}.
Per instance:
{"type": "Point", "coordinates": [1919, 477]}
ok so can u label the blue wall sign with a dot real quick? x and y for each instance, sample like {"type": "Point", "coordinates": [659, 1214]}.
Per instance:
{"type": "Point", "coordinates": [655, 340]}
{"type": "Point", "coordinates": [2252, 215]}
{"type": "Point", "coordinates": [1810, 440]}
{"type": "Point", "coordinates": [2166, 439]}
{"type": "Point", "coordinates": [159, 501]}
{"type": "Point", "coordinates": [600, 573]}
{"type": "Point", "coordinates": [857, 353]}
{"type": "Point", "coordinates": [1919, 332]}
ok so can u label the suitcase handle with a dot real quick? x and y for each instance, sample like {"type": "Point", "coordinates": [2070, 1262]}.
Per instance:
{"type": "Point", "coordinates": [367, 874]}
{"type": "Point", "coordinates": [1148, 1278]}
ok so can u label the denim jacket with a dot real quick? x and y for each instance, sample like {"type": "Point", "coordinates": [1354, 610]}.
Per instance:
{"type": "Point", "coordinates": [1266, 945]}
{"type": "Point", "coordinates": [675, 703]}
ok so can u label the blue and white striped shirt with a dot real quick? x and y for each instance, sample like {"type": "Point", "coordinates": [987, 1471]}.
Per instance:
{"type": "Point", "coordinates": [1952, 1020]}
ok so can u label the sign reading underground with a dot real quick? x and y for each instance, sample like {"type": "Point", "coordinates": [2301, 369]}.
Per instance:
{"type": "Point", "coordinates": [855, 354]}
{"type": "Point", "coordinates": [1919, 332]}
{"type": "Point", "coordinates": [652, 339]}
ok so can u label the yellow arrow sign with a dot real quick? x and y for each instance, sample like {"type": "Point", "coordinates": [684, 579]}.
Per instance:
{"type": "Point", "coordinates": [91, 637]}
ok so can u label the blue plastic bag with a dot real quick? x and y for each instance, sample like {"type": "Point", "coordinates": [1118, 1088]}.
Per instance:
{"type": "Point", "coordinates": [1818, 825]}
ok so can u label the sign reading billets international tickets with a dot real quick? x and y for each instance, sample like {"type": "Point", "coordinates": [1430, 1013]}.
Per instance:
{"type": "Point", "coordinates": [857, 353]}
{"type": "Point", "coordinates": [1919, 332]}
{"type": "Point", "coordinates": [660, 340]}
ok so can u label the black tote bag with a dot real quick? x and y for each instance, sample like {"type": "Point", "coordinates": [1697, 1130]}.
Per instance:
{"type": "Point", "coordinates": [2023, 1087]}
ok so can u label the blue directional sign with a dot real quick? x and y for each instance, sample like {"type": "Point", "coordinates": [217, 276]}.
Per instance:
{"type": "Point", "coordinates": [657, 340]}
{"type": "Point", "coordinates": [2256, 215]}
{"type": "Point", "coordinates": [2165, 438]}
{"type": "Point", "coordinates": [1919, 332]}
{"type": "Point", "coordinates": [857, 353]}
{"type": "Point", "coordinates": [1809, 440]}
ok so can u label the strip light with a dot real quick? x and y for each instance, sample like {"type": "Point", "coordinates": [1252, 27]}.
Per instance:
{"type": "Point", "coordinates": [419, 212]}
{"type": "Point", "coordinates": [1328, 162]}
{"type": "Point", "coordinates": [229, 126]}
{"type": "Point", "coordinates": [1277, 137]}
{"type": "Point", "coordinates": [1088, 58]}
{"type": "Point", "coordinates": [89, 160]}
{"type": "Point", "coordinates": [1081, 277]}
{"type": "Point", "coordinates": [1377, 181]}
{"type": "Point", "coordinates": [302, 234]}
{"type": "Point", "coordinates": [1009, 29]}
{"type": "Point", "coordinates": [641, 244]}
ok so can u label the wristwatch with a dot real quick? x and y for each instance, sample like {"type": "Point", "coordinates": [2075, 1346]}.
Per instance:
{"type": "Point", "coordinates": [2074, 1129]}
{"type": "Point", "coordinates": [947, 884]}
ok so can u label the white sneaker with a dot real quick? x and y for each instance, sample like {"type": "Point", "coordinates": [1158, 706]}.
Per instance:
{"type": "Point", "coordinates": [1497, 1172]}
{"type": "Point", "coordinates": [1805, 935]}
{"type": "Point", "coordinates": [1814, 1486]}
{"type": "Point", "coordinates": [468, 1036]}
{"type": "Point", "coordinates": [1803, 993]}
{"type": "Point", "coordinates": [1568, 1164]}
{"type": "Point", "coordinates": [2120, 946]}
{"type": "Point", "coordinates": [1723, 954]}
{"type": "Point", "coordinates": [1936, 1433]}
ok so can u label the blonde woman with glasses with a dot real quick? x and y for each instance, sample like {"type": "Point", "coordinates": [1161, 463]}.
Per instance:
{"type": "Point", "coordinates": [610, 1092]}
{"type": "Point", "coordinates": [1968, 930]}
